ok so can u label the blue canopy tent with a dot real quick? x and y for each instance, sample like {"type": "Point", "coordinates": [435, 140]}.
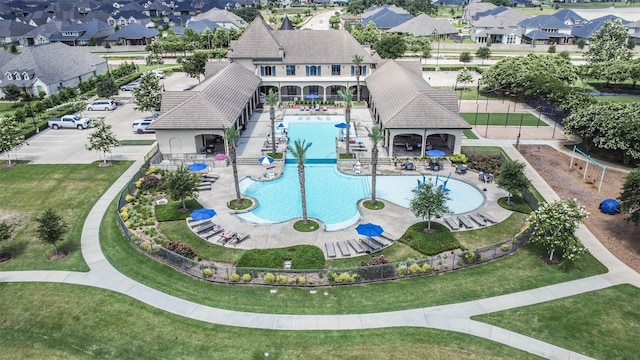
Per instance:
{"type": "Point", "coordinates": [609, 206]}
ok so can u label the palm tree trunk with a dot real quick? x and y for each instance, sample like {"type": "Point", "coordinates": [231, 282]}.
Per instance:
{"type": "Point", "coordinates": [303, 193]}
{"type": "Point", "coordinates": [374, 170]}
{"type": "Point", "coordinates": [358, 82]}
{"type": "Point", "coordinates": [234, 166]}
{"type": "Point", "coordinates": [272, 115]}
{"type": "Point", "coordinates": [347, 117]}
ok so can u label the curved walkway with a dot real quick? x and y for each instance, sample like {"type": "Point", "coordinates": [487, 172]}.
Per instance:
{"type": "Point", "coordinates": [454, 317]}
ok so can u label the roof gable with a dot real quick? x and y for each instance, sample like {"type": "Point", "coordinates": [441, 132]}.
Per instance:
{"type": "Point", "coordinates": [256, 41]}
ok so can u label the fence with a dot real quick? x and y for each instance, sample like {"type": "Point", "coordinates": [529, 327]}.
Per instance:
{"type": "Point", "coordinates": [317, 277]}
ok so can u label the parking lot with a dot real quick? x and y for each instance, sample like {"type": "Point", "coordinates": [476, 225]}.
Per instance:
{"type": "Point", "coordinates": [68, 146]}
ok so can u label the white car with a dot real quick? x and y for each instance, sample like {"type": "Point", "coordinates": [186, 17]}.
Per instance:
{"type": "Point", "coordinates": [159, 74]}
{"type": "Point", "coordinates": [102, 105]}
{"type": "Point", "coordinates": [140, 126]}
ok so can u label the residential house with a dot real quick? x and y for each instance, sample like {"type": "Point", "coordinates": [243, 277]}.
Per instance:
{"type": "Point", "coordinates": [51, 67]}
{"type": "Point", "coordinates": [221, 18]}
{"type": "Point", "coordinates": [126, 17]}
{"type": "Point", "coordinates": [500, 26]}
{"type": "Point", "coordinates": [133, 34]}
{"type": "Point", "coordinates": [425, 25]}
{"type": "Point", "coordinates": [90, 33]}
{"type": "Point", "coordinates": [474, 7]}
{"type": "Point", "coordinates": [385, 17]}
{"type": "Point", "coordinates": [41, 34]}
{"type": "Point", "coordinates": [545, 29]}
{"type": "Point", "coordinates": [156, 8]}
{"type": "Point", "coordinates": [587, 29]}
{"type": "Point", "coordinates": [569, 17]}
{"type": "Point", "coordinates": [11, 31]}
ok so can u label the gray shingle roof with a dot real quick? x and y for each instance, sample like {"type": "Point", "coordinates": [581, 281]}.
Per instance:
{"type": "Point", "coordinates": [55, 62]}
{"type": "Point", "coordinates": [257, 42]}
{"type": "Point", "coordinates": [405, 100]}
{"type": "Point", "coordinates": [171, 99]}
{"type": "Point", "coordinates": [218, 105]}
{"type": "Point", "coordinates": [424, 25]}
{"type": "Point", "coordinates": [133, 31]}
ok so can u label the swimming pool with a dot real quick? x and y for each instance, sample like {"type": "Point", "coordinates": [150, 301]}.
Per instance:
{"type": "Point", "coordinates": [331, 195]}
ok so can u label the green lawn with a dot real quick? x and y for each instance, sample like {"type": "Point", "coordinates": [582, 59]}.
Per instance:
{"type": "Point", "coordinates": [81, 323]}
{"type": "Point", "coordinates": [178, 230]}
{"type": "Point", "coordinates": [520, 271]}
{"type": "Point", "coordinates": [71, 190]}
{"type": "Point", "coordinates": [496, 119]}
{"type": "Point", "coordinates": [492, 234]}
{"type": "Point", "coordinates": [136, 142]}
{"type": "Point", "coordinates": [601, 324]}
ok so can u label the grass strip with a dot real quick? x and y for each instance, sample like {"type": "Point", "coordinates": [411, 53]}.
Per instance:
{"type": "Point", "coordinates": [81, 323]}
{"type": "Point", "coordinates": [301, 256]}
{"type": "Point", "coordinates": [601, 324]}
{"type": "Point", "coordinates": [70, 190]}
{"type": "Point", "coordinates": [520, 271]}
{"type": "Point", "coordinates": [502, 119]}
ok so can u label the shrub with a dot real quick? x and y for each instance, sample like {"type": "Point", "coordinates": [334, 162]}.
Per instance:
{"type": "Point", "coordinates": [207, 272]}
{"type": "Point", "coordinates": [152, 170]}
{"type": "Point", "coordinates": [269, 278]}
{"type": "Point", "coordinates": [281, 279]}
{"type": "Point", "coordinates": [458, 158]}
{"type": "Point", "coordinates": [505, 247]}
{"type": "Point", "coordinates": [235, 277]}
{"type": "Point", "coordinates": [415, 269]}
{"type": "Point", "coordinates": [311, 281]}
{"type": "Point", "coordinates": [470, 257]}
{"type": "Point", "coordinates": [426, 268]}
{"type": "Point", "coordinates": [376, 260]}
{"type": "Point", "coordinates": [129, 198]}
{"type": "Point", "coordinates": [402, 270]}
{"type": "Point", "coordinates": [291, 281]}
{"type": "Point", "coordinates": [344, 278]}
{"type": "Point", "coordinates": [301, 280]}
{"type": "Point", "coordinates": [486, 163]}
{"type": "Point", "coordinates": [146, 246]}
{"type": "Point", "coordinates": [181, 249]}
{"type": "Point", "coordinates": [246, 277]}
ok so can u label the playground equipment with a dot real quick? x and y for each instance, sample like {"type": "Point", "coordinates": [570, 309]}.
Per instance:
{"type": "Point", "coordinates": [609, 206]}
{"type": "Point", "coordinates": [588, 160]}
{"type": "Point", "coordinates": [443, 186]}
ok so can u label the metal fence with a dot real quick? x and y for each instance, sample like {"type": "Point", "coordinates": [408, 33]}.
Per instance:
{"type": "Point", "coordinates": [318, 277]}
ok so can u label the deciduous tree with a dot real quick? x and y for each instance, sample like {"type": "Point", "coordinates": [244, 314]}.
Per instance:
{"type": "Point", "coordinates": [554, 226]}
{"type": "Point", "coordinates": [464, 77]}
{"type": "Point", "coordinates": [102, 139]}
{"type": "Point", "coordinates": [483, 53]}
{"type": "Point", "coordinates": [512, 178]}
{"type": "Point", "coordinates": [391, 46]}
{"type": "Point", "coordinates": [465, 57]}
{"type": "Point", "coordinates": [182, 184]}
{"type": "Point", "coordinates": [194, 65]}
{"type": "Point", "coordinates": [609, 43]}
{"type": "Point", "coordinates": [630, 197]}
{"type": "Point", "coordinates": [148, 96]}
{"type": "Point", "coordinates": [51, 228]}
{"type": "Point", "coordinates": [106, 87]}
{"type": "Point", "coordinates": [10, 138]}
{"type": "Point", "coordinates": [429, 201]}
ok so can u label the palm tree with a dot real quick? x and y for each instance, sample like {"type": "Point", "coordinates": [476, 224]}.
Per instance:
{"type": "Point", "coordinates": [357, 61]}
{"type": "Point", "coordinates": [347, 96]}
{"type": "Point", "coordinates": [271, 99]}
{"type": "Point", "coordinates": [231, 136]}
{"type": "Point", "coordinates": [299, 150]}
{"type": "Point", "coordinates": [375, 135]}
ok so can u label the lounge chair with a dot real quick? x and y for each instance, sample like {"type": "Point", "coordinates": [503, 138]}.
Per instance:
{"type": "Point", "coordinates": [454, 225]}
{"type": "Point", "coordinates": [487, 217]}
{"type": "Point", "coordinates": [372, 244]}
{"type": "Point", "coordinates": [465, 222]}
{"type": "Point", "coordinates": [204, 227]}
{"type": "Point", "coordinates": [226, 237]}
{"type": "Point", "coordinates": [344, 249]}
{"type": "Point", "coordinates": [211, 176]}
{"type": "Point", "coordinates": [388, 237]}
{"type": "Point", "coordinates": [356, 246]}
{"type": "Point", "coordinates": [479, 220]}
{"type": "Point", "coordinates": [331, 251]}
{"type": "Point", "coordinates": [241, 237]}
{"type": "Point", "coordinates": [217, 229]}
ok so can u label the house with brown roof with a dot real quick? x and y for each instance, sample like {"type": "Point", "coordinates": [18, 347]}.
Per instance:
{"type": "Point", "coordinates": [298, 63]}
{"type": "Point", "coordinates": [412, 113]}
{"type": "Point", "coordinates": [193, 122]}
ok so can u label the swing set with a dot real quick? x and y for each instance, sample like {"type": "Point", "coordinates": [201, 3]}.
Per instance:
{"type": "Point", "coordinates": [581, 156]}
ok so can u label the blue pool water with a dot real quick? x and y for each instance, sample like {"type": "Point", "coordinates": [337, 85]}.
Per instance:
{"type": "Point", "coordinates": [331, 195]}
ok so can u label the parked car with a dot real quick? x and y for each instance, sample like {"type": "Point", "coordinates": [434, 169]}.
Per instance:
{"type": "Point", "coordinates": [159, 74]}
{"type": "Point", "coordinates": [130, 86]}
{"type": "Point", "coordinates": [102, 105]}
{"type": "Point", "coordinates": [70, 122]}
{"type": "Point", "coordinates": [140, 126]}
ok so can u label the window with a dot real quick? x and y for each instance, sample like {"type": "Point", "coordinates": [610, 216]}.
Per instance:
{"type": "Point", "coordinates": [314, 71]}
{"type": "Point", "coordinates": [313, 89]}
{"type": "Point", "coordinates": [291, 70]}
{"type": "Point", "coordinates": [363, 70]}
{"type": "Point", "coordinates": [335, 69]}
{"type": "Point", "coordinates": [25, 76]}
{"type": "Point", "coordinates": [511, 39]}
{"type": "Point", "coordinates": [8, 75]}
{"type": "Point", "coordinates": [16, 76]}
{"type": "Point", "coordinates": [267, 71]}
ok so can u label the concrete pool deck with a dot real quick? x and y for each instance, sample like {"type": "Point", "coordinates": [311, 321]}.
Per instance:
{"type": "Point", "coordinates": [394, 219]}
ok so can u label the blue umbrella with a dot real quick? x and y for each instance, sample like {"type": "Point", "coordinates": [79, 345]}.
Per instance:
{"type": "Point", "coordinates": [266, 160]}
{"type": "Point", "coordinates": [202, 214]}
{"type": "Point", "coordinates": [281, 125]}
{"type": "Point", "coordinates": [341, 126]}
{"type": "Point", "coordinates": [435, 153]}
{"type": "Point", "coordinates": [313, 96]}
{"type": "Point", "coordinates": [195, 167]}
{"type": "Point", "coordinates": [369, 229]}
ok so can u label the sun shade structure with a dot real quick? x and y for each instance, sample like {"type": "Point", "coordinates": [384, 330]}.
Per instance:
{"type": "Point", "coordinates": [266, 160]}
{"type": "Point", "coordinates": [341, 126]}
{"type": "Point", "coordinates": [369, 229]}
{"type": "Point", "coordinates": [202, 214]}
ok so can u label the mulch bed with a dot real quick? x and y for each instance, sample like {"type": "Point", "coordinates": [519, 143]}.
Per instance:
{"type": "Point", "coordinates": [620, 237]}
